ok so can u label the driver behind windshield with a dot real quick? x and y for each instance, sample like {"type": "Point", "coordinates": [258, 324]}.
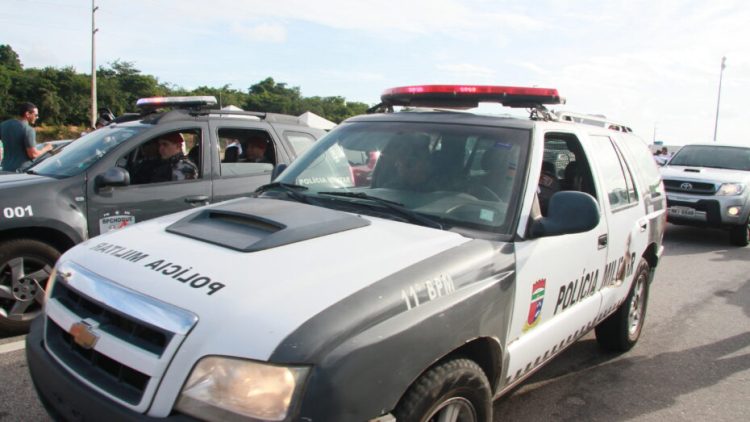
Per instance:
{"type": "Point", "coordinates": [412, 163]}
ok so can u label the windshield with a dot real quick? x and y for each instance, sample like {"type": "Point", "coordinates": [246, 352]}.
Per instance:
{"type": "Point", "coordinates": [85, 151]}
{"type": "Point", "coordinates": [456, 175]}
{"type": "Point", "coordinates": [722, 157]}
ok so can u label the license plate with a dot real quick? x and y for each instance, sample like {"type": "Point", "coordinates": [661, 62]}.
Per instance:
{"type": "Point", "coordinates": [682, 211]}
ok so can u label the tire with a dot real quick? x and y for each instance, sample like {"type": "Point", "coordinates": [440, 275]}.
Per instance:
{"type": "Point", "coordinates": [25, 265]}
{"type": "Point", "coordinates": [621, 330]}
{"type": "Point", "coordinates": [457, 390]}
{"type": "Point", "coordinates": [740, 235]}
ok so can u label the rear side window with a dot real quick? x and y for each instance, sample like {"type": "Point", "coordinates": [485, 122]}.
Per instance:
{"type": "Point", "coordinates": [643, 163]}
{"type": "Point", "coordinates": [617, 182]}
{"type": "Point", "coordinates": [245, 152]}
{"type": "Point", "coordinates": [300, 141]}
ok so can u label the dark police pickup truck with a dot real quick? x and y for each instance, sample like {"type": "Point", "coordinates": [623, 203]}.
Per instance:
{"type": "Point", "coordinates": [93, 185]}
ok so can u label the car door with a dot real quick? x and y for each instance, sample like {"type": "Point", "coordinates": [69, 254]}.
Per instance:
{"type": "Point", "coordinates": [234, 171]}
{"type": "Point", "coordinates": [628, 224]}
{"type": "Point", "coordinates": [557, 277]}
{"type": "Point", "coordinates": [113, 207]}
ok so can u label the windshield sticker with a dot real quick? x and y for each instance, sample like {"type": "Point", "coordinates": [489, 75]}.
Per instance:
{"type": "Point", "coordinates": [425, 291]}
{"type": "Point", "coordinates": [182, 273]}
{"type": "Point", "coordinates": [18, 212]}
{"type": "Point", "coordinates": [110, 222]}
{"type": "Point", "coordinates": [535, 309]}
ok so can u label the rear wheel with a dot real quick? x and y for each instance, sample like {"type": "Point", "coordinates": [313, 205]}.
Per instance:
{"type": "Point", "coordinates": [25, 266]}
{"type": "Point", "coordinates": [740, 235]}
{"type": "Point", "coordinates": [454, 391]}
{"type": "Point", "coordinates": [621, 330]}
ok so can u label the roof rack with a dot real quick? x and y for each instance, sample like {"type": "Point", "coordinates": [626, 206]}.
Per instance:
{"type": "Point", "coordinates": [593, 120]}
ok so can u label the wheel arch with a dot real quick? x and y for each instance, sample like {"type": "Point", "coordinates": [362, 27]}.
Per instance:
{"type": "Point", "coordinates": [485, 351]}
{"type": "Point", "coordinates": [53, 237]}
{"type": "Point", "coordinates": [651, 255]}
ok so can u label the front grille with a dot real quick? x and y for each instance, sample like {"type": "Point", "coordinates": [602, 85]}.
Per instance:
{"type": "Point", "coordinates": [108, 374]}
{"type": "Point", "coordinates": [122, 327]}
{"type": "Point", "coordinates": [114, 339]}
{"type": "Point", "coordinates": [687, 186]}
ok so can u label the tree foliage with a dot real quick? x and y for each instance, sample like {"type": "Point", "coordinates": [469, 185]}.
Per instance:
{"type": "Point", "coordinates": [64, 96]}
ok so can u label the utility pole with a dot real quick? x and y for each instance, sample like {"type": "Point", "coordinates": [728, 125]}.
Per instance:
{"type": "Point", "coordinates": [94, 29]}
{"type": "Point", "coordinates": [718, 101]}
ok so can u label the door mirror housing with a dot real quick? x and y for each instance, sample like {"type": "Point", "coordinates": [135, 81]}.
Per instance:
{"type": "Point", "coordinates": [568, 212]}
{"type": "Point", "coordinates": [116, 176]}
{"type": "Point", "coordinates": [277, 171]}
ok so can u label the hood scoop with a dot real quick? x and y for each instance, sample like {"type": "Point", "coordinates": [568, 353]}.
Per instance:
{"type": "Point", "coordinates": [254, 224]}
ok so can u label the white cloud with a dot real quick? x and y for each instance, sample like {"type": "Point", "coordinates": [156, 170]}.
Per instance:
{"type": "Point", "coordinates": [466, 70]}
{"type": "Point", "coordinates": [273, 33]}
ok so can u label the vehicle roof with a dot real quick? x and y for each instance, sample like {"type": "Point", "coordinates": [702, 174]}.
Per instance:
{"type": "Point", "coordinates": [716, 144]}
{"type": "Point", "coordinates": [444, 116]}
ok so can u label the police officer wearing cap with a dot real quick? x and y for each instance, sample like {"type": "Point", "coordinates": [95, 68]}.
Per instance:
{"type": "Point", "coordinates": [173, 164]}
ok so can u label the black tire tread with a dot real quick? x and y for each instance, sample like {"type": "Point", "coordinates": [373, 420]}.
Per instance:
{"type": "Point", "coordinates": [431, 387]}
{"type": "Point", "coordinates": [738, 235]}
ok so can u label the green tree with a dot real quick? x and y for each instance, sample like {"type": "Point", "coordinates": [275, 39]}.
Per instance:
{"type": "Point", "coordinates": [272, 97]}
{"type": "Point", "coordinates": [9, 59]}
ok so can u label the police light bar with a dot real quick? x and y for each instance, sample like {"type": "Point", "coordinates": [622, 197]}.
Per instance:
{"type": "Point", "coordinates": [178, 102]}
{"type": "Point", "coordinates": [468, 96]}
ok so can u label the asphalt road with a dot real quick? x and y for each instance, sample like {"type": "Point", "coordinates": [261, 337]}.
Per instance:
{"type": "Point", "coordinates": [692, 362]}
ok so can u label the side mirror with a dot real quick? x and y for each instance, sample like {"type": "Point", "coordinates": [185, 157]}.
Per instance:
{"type": "Point", "coordinates": [277, 171]}
{"type": "Point", "coordinates": [568, 212]}
{"type": "Point", "coordinates": [116, 176]}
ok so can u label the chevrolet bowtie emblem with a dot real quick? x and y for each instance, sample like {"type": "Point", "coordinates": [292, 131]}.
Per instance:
{"type": "Point", "coordinates": [83, 336]}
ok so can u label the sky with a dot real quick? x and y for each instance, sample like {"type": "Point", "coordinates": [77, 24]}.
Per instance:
{"type": "Point", "coordinates": [652, 65]}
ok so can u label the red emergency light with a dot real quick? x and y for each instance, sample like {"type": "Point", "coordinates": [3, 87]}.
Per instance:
{"type": "Point", "coordinates": [468, 96]}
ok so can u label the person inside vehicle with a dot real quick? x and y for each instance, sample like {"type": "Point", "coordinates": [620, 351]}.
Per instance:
{"type": "Point", "coordinates": [497, 181]}
{"type": "Point", "coordinates": [173, 164]}
{"type": "Point", "coordinates": [255, 151]}
{"type": "Point", "coordinates": [548, 185]}
{"type": "Point", "coordinates": [413, 169]}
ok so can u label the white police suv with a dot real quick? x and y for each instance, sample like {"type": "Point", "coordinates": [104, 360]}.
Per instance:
{"type": "Point", "coordinates": [411, 266]}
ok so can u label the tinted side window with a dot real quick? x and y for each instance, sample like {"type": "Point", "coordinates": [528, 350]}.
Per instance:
{"type": "Point", "coordinates": [245, 152]}
{"type": "Point", "coordinates": [616, 176]}
{"type": "Point", "coordinates": [168, 157]}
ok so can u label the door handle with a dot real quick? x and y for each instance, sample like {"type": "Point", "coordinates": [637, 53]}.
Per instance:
{"type": "Point", "coordinates": [197, 200]}
{"type": "Point", "coordinates": [602, 241]}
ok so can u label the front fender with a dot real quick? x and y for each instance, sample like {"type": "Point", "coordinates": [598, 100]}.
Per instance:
{"type": "Point", "coordinates": [373, 361]}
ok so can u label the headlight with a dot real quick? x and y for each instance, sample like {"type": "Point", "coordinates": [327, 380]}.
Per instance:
{"type": "Point", "coordinates": [731, 189]}
{"type": "Point", "coordinates": [223, 388]}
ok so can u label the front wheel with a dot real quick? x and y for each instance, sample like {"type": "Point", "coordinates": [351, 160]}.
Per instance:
{"type": "Point", "coordinates": [621, 330]}
{"type": "Point", "coordinates": [25, 266]}
{"type": "Point", "coordinates": [740, 235]}
{"type": "Point", "coordinates": [455, 391]}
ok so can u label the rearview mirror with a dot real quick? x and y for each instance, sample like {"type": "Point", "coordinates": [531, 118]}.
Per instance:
{"type": "Point", "coordinates": [568, 212]}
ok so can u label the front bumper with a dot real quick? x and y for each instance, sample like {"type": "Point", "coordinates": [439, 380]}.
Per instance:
{"type": "Point", "coordinates": [66, 398]}
{"type": "Point", "coordinates": [682, 209]}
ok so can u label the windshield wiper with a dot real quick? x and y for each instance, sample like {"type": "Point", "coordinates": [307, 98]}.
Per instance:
{"type": "Point", "coordinates": [391, 205]}
{"type": "Point", "coordinates": [291, 190]}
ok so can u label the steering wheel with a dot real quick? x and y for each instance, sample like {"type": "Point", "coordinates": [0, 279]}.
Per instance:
{"type": "Point", "coordinates": [484, 193]}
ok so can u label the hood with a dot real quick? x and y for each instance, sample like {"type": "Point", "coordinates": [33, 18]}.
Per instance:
{"type": "Point", "coordinates": [259, 296]}
{"type": "Point", "coordinates": [12, 179]}
{"type": "Point", "coordinates": [704, 174]}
